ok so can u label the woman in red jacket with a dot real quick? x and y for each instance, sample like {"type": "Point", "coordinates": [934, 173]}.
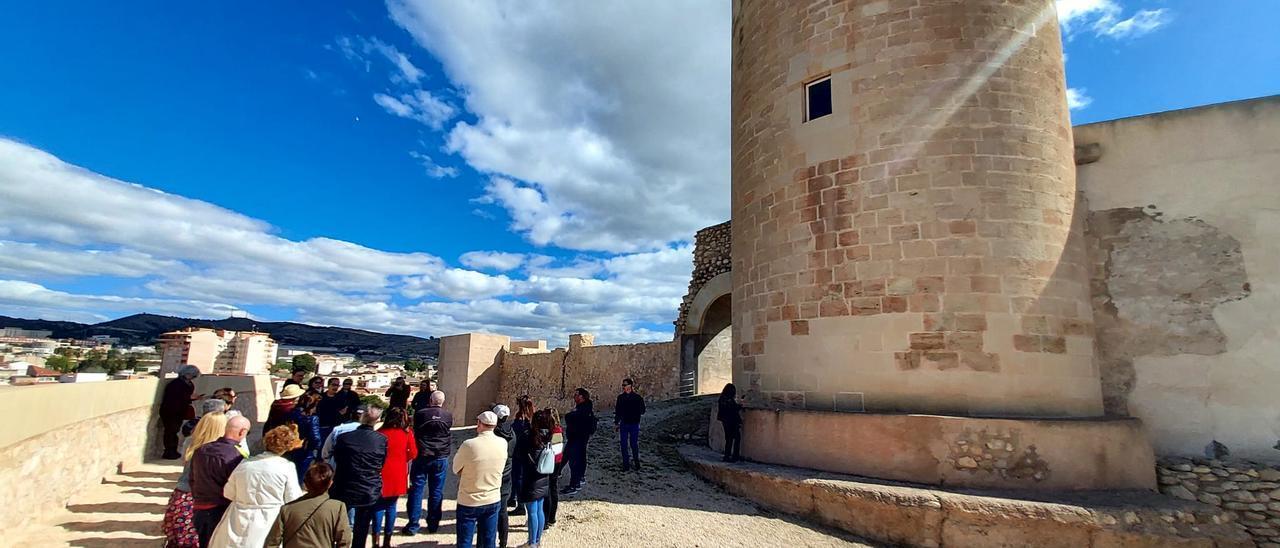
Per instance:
{"type": "Point", "coordinates": [401, 450]}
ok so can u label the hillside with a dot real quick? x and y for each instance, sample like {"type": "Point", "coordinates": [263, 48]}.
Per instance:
{"type": "Point", "coordinates": [144, 328]}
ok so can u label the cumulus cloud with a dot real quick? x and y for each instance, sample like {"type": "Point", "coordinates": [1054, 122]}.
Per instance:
{"type": "Point", "coordinates": [1106, 18]}
{"type": "Point", "coordinates": [193, 258]}
{"type": "Point", "coordinates": [492, 260]}
{"type": "Point", "coordinates": [621, 146]}
{"type": "Point", "coordinates": [1078, 98]}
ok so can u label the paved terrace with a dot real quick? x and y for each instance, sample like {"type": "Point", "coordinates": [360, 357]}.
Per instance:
{"type": "Point", "coordinates": [113, 505]}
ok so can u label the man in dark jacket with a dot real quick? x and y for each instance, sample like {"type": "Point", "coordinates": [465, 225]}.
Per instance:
{"type": "Point", "coordinates": [579, 425]}
{"type": "Point", "coordinates": [504, 431]}
{"type": "Point", "coordinates": [358, 481]}
{"type": "Point", "coordinates": [211, 466]}
{"type": "Point", "coordinates": [626, 422]}
{"type": "Point", "coordinates": [427, 473]}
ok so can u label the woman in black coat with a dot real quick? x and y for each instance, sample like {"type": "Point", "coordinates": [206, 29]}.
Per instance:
{"type": "Point", "coordinates": [730, 415]}
{"type": "Point", "coordinates": [535, 486]}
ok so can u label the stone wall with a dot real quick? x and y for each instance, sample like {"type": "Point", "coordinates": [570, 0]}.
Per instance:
{"type": "Point", "coordinates": [710, 259]}
{"type": "Point", "coordinates": [1023, 454]}
{"type": "Point", "coordinates": [1182, 232]}
{"type": "Point", "coordinates": [551, 377]}
{"type": "Point", "coordinates": [61, 437]}
{"type": "Point", "coordinates": [1248, 492]}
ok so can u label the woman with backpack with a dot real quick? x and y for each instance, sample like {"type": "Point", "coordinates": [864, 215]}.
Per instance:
{"type": "Point", "coordinates": [538, 459]}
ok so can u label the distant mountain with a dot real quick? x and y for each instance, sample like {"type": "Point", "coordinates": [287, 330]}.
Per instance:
{"type": "Point", "coordinates": [145, 328]}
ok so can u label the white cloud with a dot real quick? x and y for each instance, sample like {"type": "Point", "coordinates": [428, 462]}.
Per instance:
{"type": "Point", "coordinates": [359, 48]}
{"type": "Point", "coordinates": [492, 260]}
{"type": "Point", "coordinates": [418, 105]}
{"type": "Point", "coordinates": [1078, 98]}
{"type": "Point", "coordinates": [60, 221]}
{"type": "Point", "coordinates": [1106, 18]}
{"type": "Point", "coordinates": [434, 170]}
{"type": "Point", "coordinates": [622, 146]}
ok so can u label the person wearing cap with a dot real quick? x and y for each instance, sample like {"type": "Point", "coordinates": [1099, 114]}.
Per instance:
{"type": "Point", "coordinates": [503, 430]}
{"type": "Point", "coordinates": [175, 407]}
{"type": "Point", "coordinates": [479, 465]}
{"type": "Point", "coordinates": [283, 407]}
{"type": "Point", "coordinates": [427, 474]}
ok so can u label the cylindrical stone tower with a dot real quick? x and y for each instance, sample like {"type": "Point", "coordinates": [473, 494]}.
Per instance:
{"type": "Point", "coordinates": [917, 248]}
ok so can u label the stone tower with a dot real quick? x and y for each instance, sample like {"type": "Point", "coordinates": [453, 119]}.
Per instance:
{"type": "Point", "coordinates": [916, 249]}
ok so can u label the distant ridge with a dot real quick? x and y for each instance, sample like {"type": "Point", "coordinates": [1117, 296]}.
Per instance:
{"type": "Point", "coordinates": [141, 329]}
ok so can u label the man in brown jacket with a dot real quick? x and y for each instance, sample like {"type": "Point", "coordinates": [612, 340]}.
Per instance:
{"type": "Point", "coordinates": [315, 519]}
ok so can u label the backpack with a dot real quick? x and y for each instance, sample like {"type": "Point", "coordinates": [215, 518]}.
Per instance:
{"type": "Point", "coordinates": [546, 460]}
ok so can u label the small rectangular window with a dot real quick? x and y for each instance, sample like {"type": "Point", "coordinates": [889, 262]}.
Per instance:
{"type": "Point", "coordinates": [817, 99]}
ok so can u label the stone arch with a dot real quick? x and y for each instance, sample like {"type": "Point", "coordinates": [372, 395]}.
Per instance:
{"type": "Point", "coordinates": [706, 356]}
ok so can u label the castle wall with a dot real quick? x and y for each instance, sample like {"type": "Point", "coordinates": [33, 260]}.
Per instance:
{"type": "Point", "coordinates": [1183, 232]}
{"type": "Point", "coordinates": [551, 377]}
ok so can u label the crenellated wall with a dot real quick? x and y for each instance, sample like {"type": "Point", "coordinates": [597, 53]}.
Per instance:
{"type": "Point", "coordinates": [551, 377]}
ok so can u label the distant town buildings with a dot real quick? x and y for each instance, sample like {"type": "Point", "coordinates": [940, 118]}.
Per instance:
{"type": "Point", "coordinates": [218, 351]}
{"type": "Point", "coordinates": [18, 332]}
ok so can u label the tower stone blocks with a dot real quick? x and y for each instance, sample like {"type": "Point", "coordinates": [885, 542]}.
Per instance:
{"type": "Point", "coordinates": [917, 249]}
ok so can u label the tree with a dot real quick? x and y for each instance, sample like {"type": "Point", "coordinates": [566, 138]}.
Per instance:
{"type": "Point", "coordinates": [414, 365]}
{"type": "Point", "coordinates": [305, 362]}
{"type": "Point", "coordinates": [60, 363]}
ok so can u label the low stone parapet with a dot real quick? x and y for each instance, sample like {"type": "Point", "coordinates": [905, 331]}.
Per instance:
{"type": "Point", "coordinates": [1248, 492]}
{"type": "Point", "coordinates": [953, 451]}
{"type": "Point", "coordinates": [914, 515]}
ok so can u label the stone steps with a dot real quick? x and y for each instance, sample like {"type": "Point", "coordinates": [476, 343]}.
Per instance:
{"type": "Point", "coordinates": [916, 515]}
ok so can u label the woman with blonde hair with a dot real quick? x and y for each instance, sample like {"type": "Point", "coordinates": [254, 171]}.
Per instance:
{"type": "Point", "coordinates": [179, 529]}
{"type": "Point", "coordinates": [257, 489]}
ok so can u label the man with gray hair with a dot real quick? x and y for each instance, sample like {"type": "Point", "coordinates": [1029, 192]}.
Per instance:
{"type": "Point", "coordinates": [431, 426]}
{"type": "Point", "coordinates": [358, 480]}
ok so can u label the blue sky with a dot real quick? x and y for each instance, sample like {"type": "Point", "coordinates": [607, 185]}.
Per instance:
{"type": "Point", "coordinates": [429, 168]}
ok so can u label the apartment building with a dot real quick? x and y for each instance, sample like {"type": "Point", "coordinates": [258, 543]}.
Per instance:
{"type": "Point", "coordinates": [218, 351]}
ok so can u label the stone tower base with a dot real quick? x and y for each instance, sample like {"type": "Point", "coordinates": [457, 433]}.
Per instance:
{"type": "Point", "coordinates": [1000, 453]}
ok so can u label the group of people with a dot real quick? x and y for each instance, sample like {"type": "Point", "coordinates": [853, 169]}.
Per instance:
{"type": "Point", "coordinates": [327, 477]}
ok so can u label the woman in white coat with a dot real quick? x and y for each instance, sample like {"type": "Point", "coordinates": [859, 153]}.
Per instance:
{"type": "Point", "coordinates": [257, 488]}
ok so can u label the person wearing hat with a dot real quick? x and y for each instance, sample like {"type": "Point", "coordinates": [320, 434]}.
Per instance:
{"type": "Point", "coordinates": [478, 465]}
{"type": "Point", "coordinates": [283, 407]}
{"type": "Point", "coordinates": [503, 430]}
{"type": "Point", "coordinates": [175, 407]}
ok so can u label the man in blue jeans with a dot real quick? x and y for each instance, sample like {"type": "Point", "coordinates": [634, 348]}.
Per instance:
{"type": "Point", "coordinates": [431, 426]}
{"type": "Point", "coordinates": [479, 465]}
{"type": "Point", "coordinates": [626, 422]}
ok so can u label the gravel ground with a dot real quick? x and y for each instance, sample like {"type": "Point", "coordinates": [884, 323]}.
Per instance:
{"type": "Point", "coordinates": [662, 505]}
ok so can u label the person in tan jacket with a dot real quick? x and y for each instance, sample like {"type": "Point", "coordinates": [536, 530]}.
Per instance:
{"type": "Point", "coordinates": [478, 465]}
{"type": "Point", "coordinates": [315, 520]}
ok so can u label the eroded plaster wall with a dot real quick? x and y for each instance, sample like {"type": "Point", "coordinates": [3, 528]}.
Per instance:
{"type": "Point", "coordinates": [1183, 226]}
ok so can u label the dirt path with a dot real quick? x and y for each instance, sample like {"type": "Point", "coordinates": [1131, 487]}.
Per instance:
{"type": "Point", "coordinates": [663, 505]}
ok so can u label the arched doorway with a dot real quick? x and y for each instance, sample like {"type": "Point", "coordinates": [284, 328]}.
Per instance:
{"type": "Point", "coordinates": [706, 358]}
